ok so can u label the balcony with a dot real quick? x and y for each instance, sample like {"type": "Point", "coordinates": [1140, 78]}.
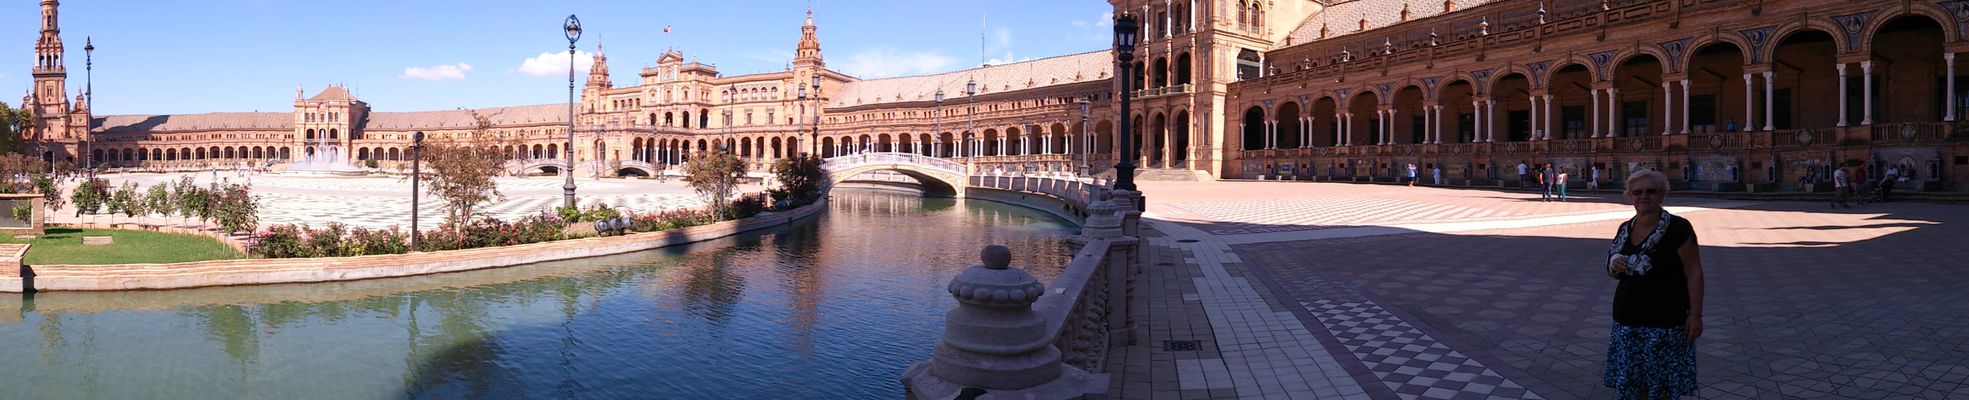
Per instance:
{"type": "Point", "coordinates": [1162, 91]}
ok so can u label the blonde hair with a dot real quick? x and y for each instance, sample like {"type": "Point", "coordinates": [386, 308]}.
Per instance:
{"type": "Point", "coordinates": [1641, 174]}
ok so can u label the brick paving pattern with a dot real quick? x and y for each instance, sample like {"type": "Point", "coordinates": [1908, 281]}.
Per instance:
{"type": "Point", "coordinates": [1802, 302]}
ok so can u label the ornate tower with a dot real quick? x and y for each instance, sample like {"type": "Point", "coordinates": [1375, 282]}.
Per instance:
{"type": "Point", "coordinates": [808, 53]}
{"type": "Point", "coordinates": [598, 82]}
{"type": "Point", "coordinates": [51, 108]}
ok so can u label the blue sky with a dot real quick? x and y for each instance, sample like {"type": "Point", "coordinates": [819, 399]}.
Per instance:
{"type": "Point", "coordinates": [177, 57]}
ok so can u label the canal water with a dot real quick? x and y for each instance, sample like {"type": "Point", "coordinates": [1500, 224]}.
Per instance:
{"type": "Point", "coordinates": [832, 307]}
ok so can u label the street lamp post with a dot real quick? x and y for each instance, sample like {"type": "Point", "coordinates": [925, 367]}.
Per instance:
{"type": "Point", "coordinates": [814, 140]}
{"type": "Point", "coordinates": [938, 117]}
{"type": "Point", "coordinates": [89, 91]}
{"type": "Point", "coordinates": [573, 28]}
{"type": "Point", "coordinates": [970, 115]}
{"type": "Point", "coordinates": [1086, 142]}
{"type": "Point", "coordinates": [416, 155]}
{"type": "Point", "coordinates": [1124, 48]}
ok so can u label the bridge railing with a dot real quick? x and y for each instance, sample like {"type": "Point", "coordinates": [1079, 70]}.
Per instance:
{"type": "Point", "coordinates": [1074, 190]}
{"type": "Point", "coordinates": [846, 162]}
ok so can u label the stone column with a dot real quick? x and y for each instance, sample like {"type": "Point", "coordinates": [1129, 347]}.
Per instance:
{"type": "Point", "coordinates": [1350, 129]}
{"type": "Point", "coordinates": [995, 341]}
{"type": "Point", "coordinates": [1750, 101]}
{"type": "Point", "coordinates": [1490, 108]}
{"type": "Point", "coordinates": [1950, 94]}
{"type": "Point", "coordinates": [1306, 131]}
{"type": "Point", "coordinates": [1339, 130]}
{"type": "Point", "coordinates": [1866, 92]}
{"type": "Point", "coordinates": [1477, 120]}
{"type": "Point", "coordinates": [1667, 108]}
{"type": "Point", "coordinates": [1271, 134]}
{"type": "Point", "coordinates": [1770, 88]}
{"type": "Point", "coordinates": [1547, 121]}
{"type": "Point", "coordinates": [1534, 118]}
{"type": "Point", "coordinates": [1685, 106]}
{"type": "Point", "coordinates": [1595, 124]}
{"type": "Point", "coordinates": [1104, 223]}
{"type": "Point", "coordinates": [1841, 67]}
{"type": "Point", "coordinates": [1613, 112]}
{"type": "Point", "coordinates": [1388, 124]}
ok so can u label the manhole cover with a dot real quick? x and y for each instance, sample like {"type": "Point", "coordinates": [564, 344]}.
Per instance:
{"type": "Point", "coordinates": [1186, 241]}
{"type": "Point", "coordinates": [1180, 345]}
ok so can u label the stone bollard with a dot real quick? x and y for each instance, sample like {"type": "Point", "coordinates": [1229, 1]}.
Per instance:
{"type": "Point", "coordinates": [994, 343]}
{"type": "Point", "coordinates": [1104, 223]}
{"type": "Point", "coordinates": [1130, 203]}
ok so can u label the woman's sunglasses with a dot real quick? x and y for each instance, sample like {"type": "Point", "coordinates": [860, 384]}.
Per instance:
{"type": "Point", "coordinates": [1648, 191]}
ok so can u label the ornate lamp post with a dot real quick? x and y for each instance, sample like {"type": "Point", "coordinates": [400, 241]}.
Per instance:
{"type": "Point", "coordinates": [1124, 49]}
{"type": "Point", "coordinates": [416, 155]}
{"type": "Point", "coordinates": [814, 140]}
{"type": "Point", "coordinates": [938, 117]}
{"type": "Point", "coordinates": [89, 91]}
{"type": "Point", "coordinates": [573, 28]}
{"type": "Point", "coordinates": [1086, 141]}
{"type": "Point", "coordinates": [970, 114]}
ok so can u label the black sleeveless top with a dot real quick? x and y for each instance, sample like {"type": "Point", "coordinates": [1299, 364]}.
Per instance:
{"type": "Point", "coordinates": [1660, 298]}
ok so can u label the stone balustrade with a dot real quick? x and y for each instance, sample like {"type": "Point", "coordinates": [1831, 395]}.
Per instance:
{"type": "Point", "coordinates": [1013, 338]}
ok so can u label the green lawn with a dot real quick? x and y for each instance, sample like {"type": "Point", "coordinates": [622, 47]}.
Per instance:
{"type": "Point", "coordinates": [64, 246]}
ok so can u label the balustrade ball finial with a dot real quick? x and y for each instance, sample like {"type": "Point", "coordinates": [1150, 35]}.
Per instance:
{"type": "Point", "coordinates": [996, 257]}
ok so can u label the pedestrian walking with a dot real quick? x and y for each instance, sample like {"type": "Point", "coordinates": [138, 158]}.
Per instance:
{"type": "Point", "coordinates": [1561, 184]}
{"type": "Point", "coordinates": [1411, 174]}
{"type": "Point", "coordinates": [1436, 170]}
{"type": "Point", "coordinates": [1593, 181]}
{"type": "Point", "coordinates": [1545, 183]}
{"type": "Point", "coordinates": [1841, 188]}
{"type": "Point", "coordinates": [1657, 305]}
{"type": "Point", "coordinates": [1522, 169]}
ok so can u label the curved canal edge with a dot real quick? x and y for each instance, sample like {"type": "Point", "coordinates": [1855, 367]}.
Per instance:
{"type": "Point", "coordinates": [335, 269]}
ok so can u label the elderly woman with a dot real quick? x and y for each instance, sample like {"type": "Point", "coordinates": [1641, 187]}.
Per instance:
{"type": "Point", "coordinates": [1657, 308]}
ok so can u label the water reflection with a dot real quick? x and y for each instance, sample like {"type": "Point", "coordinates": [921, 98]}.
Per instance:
{"type": "Point", "coordinates": [833, 307]}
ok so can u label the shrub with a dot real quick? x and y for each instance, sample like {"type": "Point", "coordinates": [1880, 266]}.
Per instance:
{"type": "Point", "coordinates": [371, 163]}
{"type": "Point", "coordinates": [159, 200]}
{"type": "Point", "coordinates": [234, 208]}
{"type": "Point", "coordinates": [600, 212]}
{"type": "Point", "coordinates": [129, 200]}
{"type": "Point", "coordinates": [24, 211]}
{"type": "Point", "coordinates": [326, 242]}
{"type": "Point", "coordinates": [799, 179]}
{"type": "Point", "coordinates": [363, 241]}
{"type": "Point", "coordinates": [278, 241]}
{"type": "Point", "coordinates": [745, 207]}
{"type": "Point", "coordinates": [541, 227]}
{"type": "Point", "coordinates": [90, 196]}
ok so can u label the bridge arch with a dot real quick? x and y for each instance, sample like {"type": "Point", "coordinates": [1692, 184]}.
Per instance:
{"type": "Point", "coordinates": [938, 177]}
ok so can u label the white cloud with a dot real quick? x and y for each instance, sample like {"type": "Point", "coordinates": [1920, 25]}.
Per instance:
{"type": "Point", "coordinates": [444, 72]}
{"type": "Point", "coordinates": [555, 64]}
{"type": "Point", "coordinates": [1001, 39]}
{"type": "Point", "coordinates": [883, 63]}
{"type": "Point", "coordinates": [1098, 30]}
{"type": "Point", "coordinates": [1007, 59]}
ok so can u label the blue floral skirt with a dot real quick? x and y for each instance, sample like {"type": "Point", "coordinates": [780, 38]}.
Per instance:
{"type": "Point", "coordinates": [1651, 362]}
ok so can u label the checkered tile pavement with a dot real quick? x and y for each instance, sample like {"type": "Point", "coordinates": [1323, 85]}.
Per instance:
{"type": "Point", "coordinates": [1410, 362]}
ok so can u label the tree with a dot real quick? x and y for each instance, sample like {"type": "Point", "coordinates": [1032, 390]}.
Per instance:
{"type": "Point", "coordinates": [51, 190]}
{"type": "Point", "coordinates": [713, 176]}
{"type": "Point", "coordinates": [235, 209]}
{"type": "Point", "coordinates": [459, 167]}
{"type": "Point", "coordinates": [127, 200]}
{"type": "Point", "coordinates": [190, 198]}
{"type": "Point", "coordinates": [799, 179]}
{"type": "Point", "coordinates": [159, 199]}
{"type": "Point", "coordinates": [13, 125]}
{"type": "Point", "coordinates": [90, 196]}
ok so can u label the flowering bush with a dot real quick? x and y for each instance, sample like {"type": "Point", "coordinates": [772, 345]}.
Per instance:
{"type": "Point", "coordinates": [745, 207]}
{"type": "Point", "coordinates": [670, 219]}
{"type": "Point", "coordinates": [363, 241]}
{"type": "Point", "coordinates": [326, 242]}
{"type": "Point", "coordinates": [278, 241]}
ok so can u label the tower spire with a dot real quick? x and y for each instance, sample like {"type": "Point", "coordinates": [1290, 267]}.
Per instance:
{"type": "Point", "coordinates": [808, 50]}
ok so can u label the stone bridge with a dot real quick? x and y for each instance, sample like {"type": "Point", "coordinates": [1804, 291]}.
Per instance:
{"type": "Point", "coordinates": [939, 177]}
{"type": "Point", "coordinates": [584, 168]}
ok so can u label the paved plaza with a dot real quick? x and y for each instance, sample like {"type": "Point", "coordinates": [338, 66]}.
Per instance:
{"type": "Point", "coordinates": [384, 201]}
{"type": "Point", "coordinates": [1318, 290]}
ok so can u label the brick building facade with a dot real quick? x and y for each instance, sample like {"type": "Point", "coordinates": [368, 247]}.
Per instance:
{"type": "Point", "coordinates": [1724, 95]}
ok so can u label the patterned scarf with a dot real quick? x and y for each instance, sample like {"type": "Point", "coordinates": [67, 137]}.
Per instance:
{"type": "Point", "coordinates": [1640, 262]}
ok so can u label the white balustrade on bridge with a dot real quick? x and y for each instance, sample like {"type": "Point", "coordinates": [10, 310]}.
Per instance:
{"type": "Point", "coordinates": [851, 161]}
